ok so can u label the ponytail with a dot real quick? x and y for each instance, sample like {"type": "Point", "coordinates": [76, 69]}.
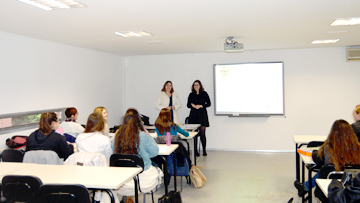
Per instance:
{"type": "Point", "coordinates": [127, 137]}
{"type": "Point", "coordinates": [45, 122]}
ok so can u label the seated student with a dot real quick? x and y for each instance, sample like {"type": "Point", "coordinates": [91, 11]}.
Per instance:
{"type": "Point", "coordinates": [45, 138]}
{"type": "Point", "coordinates": [92, 139]}
{"type": "Point", "coordinates": [349, 194]}
{"type": "Point", "coordinates": [341, 148]}
{"type": "Point", "coordinates": [164, 124]}
{"type": "Point", "coordinates": [356, 125]}
{"type": "Point", "coordinates": [70, 126]}
{"type": "Point", "coordinates": [102, 111]}
{"type": "Point", "coordinates": [132, 139]}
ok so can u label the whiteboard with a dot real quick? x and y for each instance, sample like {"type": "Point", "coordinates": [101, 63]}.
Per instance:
{"type": "Point", "coordinates": [249, 89]}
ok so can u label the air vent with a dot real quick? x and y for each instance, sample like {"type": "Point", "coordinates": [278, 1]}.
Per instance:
{"type": "Point", "coordinates": [352, 54]}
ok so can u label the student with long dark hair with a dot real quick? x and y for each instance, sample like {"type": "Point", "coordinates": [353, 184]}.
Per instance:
{"type": "Point", "coordinates": [45, 138]}
{"type": "Point", "coordinates": [164, 124]}
{"type": "Point", "coordinates": [131, 138]}
{"type": "Point", "coordinates": [198, 101]}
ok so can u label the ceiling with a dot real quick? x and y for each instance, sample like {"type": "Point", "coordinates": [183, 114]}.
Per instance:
{"type": "Point", "coordinates": [187, 26]}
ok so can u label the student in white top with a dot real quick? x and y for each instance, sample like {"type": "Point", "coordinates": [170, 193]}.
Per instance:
{"type": "Point", "coordinates": [170, 100]}
{"type": "Point", "coordinates": [93, 140]}
{"type": "Point", "coordinates": [102, 111]}
{"type": "Point", "coordinates": [70, 126]}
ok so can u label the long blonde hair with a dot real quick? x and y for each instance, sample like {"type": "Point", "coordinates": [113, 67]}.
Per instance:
{"type": "Point", "coordinates": [99, 110]}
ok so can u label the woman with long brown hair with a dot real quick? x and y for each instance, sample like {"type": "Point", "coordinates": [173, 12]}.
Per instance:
{"type": "Point", "coordinates": [92, 139]}
{"type": "Point", "coordinates": [103, 111]}
{"type": "Point", "coordinates": [45, 138]}
{"type": "Point", "coordinates": [131, 138]}
{"type": "Point", "coordinates": [198, 101]}
{"type": "Point", "coordinates": [340, 149]}
{"type": "Point", "coordinates": [170, 100]}
{"type": "Point", "coordinates": [164, 124]}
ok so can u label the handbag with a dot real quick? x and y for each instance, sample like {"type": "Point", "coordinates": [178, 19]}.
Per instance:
{"type": "Point", "coordinates": [171, 197]}
{"type": "Point", "coordinates": [197, 177]}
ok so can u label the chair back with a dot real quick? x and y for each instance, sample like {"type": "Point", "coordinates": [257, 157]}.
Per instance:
{"type": "Point", "coordinates": [127, 160]}
{"type": "Point", "coordinates": [87, 159]}
{"type": "Point", "coordinates": [20, 188]}
{"type": "Point", "coordinates": [315, 144]}
{"type": "Point", "coordinates": [12, 155]}
{"type": "Point", "coordinates": [63, 193]}
{"type": "Point", "coordinates": [42, 157]}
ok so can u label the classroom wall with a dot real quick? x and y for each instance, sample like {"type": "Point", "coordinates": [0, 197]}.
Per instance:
{"type": "Point", "coordinates": [37, 74]}
{"type": "Point", "coordinates": [320, 87]}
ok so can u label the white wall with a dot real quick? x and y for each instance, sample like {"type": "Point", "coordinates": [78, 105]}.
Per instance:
{"type": "Point", "coordinates": [320, 87]}
{"type": "Point", "coordinates": [37, 74]}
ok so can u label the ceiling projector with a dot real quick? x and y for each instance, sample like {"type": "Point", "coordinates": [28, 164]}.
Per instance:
{"type": "Point", "coordinates": [233, 46]}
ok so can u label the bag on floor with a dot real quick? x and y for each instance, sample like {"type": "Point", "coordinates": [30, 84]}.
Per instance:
{"type": "Point", "coordinates": [197, 177]}
{"type": "Point", "coordinates": [171, 197]}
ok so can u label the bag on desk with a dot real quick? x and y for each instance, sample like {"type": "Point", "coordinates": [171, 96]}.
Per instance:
{"type": "Point", "coordinates": [197, 177]}
{"type": "Point", "coordinates": [16, 141]}
{"type": "Point", "coordinates": [171, 197]}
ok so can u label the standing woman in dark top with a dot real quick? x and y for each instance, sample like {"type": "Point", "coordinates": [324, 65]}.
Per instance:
{"type": "Point", "coordinates": [198, 101]}
{"type": "Point", "coordinates": [356, 125]}
{"type": "Point", "coordinates": [45, 138]}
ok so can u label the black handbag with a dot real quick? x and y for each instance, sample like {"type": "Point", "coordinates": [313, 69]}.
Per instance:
{"type": "Point", "coordinates": [171, 197]}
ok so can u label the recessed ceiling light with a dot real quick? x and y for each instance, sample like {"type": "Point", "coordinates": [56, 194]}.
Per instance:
{"type": "Point", "coordinates": [53, 4]}
{"type": "Point", "coordinates": [346, 21]}
{"type": "Point", "coordinates": [133, 34]}
{"type": "Point", "coordinates": [337, 32]}
{"type": "Point", "coordinates": [326, 41]}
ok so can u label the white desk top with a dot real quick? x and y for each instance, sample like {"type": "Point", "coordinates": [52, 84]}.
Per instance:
{"type": "Point", "coordinates": [191, 135]}
{"type": "Point", "coordinates": [169, 149]}
{"type": "Point", "coordinates": [187, 127]}
{"type": "Point", "coordinates": [324, 185]}
{"type": "Point", "coordinates": [299, 139]}
{"type": "Point", "coordinates": [8, 167]}
{"type": "Point", "coordinates": [105, 178]}
{"type": "Point", "coordinates": [306, 159]}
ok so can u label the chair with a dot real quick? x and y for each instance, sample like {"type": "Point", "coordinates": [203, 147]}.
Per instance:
{"type": "Point", "coordinates": [42, 157]}
{"type": "Point", "coordinates": [130, 160]}
{"type": "Point", "coordinates": [88, 159]}
{"type": "Point", "coordinates": [20, 188]}
{"type": "Point", "coordinates": [12, 155]}
{"type": "Point", "coordinates": [63, 193]}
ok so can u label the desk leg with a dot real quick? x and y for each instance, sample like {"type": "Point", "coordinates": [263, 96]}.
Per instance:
{"type": "Point", "coordinates": [165, 175]}
{"type": "Point", "coordinates": [297, 158]}
{"type": "Point", "coordinates": [175, 165]}
{"type": "Point", "coordinates": [310, 184]}
{"type": "Point", "coordinates": [136, 190]}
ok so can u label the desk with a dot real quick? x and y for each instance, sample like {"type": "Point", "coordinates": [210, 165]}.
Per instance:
{"type": "Point", "coordinates": [304, 139]}
{"type": "Point", "coordinates": [106, 177]}
{"type": "Point", "coordinates": [310, 165]}
{"type": "Point", "coordinates": [169, 149]}
{"type": "Point", "coordinates": [324, 185]}
{"type": "Point", "coordinates": [187, 127]}
{"type": "Point", "coordinates": [191, 137]}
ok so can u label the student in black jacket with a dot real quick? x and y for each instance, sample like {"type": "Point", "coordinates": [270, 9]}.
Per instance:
{"type": "Point", "coordinates": [349, 194]}
{"type": "Point", "coordinates": [45, 138]}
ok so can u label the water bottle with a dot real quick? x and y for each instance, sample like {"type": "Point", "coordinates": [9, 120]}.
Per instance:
{"type": "Point", "coordinates": [168, 139]}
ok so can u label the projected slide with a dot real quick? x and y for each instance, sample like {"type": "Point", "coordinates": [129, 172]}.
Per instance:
{"type": "Point", "coordinates": [249, 89]}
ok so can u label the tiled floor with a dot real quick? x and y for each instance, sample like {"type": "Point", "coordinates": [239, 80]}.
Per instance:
{"type": "Point", "coordinates": [241, 177]}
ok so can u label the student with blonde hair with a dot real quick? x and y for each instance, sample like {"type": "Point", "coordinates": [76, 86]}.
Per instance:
{"type": "Point", "coordinates": [356, 125]}
{"type": "Point", "coordinates": [102, 111]}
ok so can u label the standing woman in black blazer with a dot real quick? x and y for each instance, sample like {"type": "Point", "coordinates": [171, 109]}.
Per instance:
{"type": "Point", "coordinates": [198, 101]}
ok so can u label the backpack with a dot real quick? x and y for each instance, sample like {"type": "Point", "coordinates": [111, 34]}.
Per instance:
{"type": "Point", "coordinates": [16, 142]}
{"type": "Point", "coordinates": [180, 170]}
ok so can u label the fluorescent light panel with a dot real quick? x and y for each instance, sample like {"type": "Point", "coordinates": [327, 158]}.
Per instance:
{"type": "Point", "coordinates": [53, 4]}
{"type": "Point", "coordinates": [346, 21]}
{"type": "Point", "coordinates": [133, 34]}
{"type": "Point", "coordinates": [325, 41]}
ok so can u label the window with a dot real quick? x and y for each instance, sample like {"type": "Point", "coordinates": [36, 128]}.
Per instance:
{"type": "Point", "coordinates": [24, 120]}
